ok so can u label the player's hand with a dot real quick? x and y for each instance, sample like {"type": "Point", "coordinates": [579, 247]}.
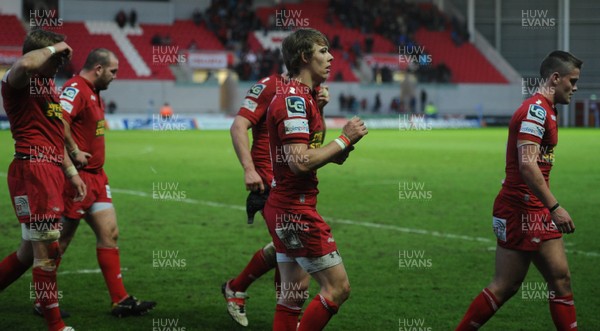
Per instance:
{"type": "Point", "coordinates": [63, 50]}
{"type": "Point", "coordinates": [562, 220]}
{"type": "Point", "coordinates": [355, 129]}
{"type": "Point", "coordinates": [323, 97]}
{"type": "Point", "coordinates": [78, 183]}
{"type": "Point", "coordinates": [81, 159]}
{"type": "Point", "coordinates": [253, 181]}
{"type": "Point", "coordinates": [341, 158]}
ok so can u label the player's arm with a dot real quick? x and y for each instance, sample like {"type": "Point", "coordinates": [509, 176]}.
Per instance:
{"type": "Point", "coordinates": [303, 159]}
{"type": "Point", "coordinates": [239, 137]}
{"type": "Point", "coordinates": [73, 176]}
{"type": "Point", "coordinates": [323, 98]}
{"type": "Point", "coordinates": [80, 158]}
{"type": "Point", "coordinates": [32, 61]}
{"type": "Point", "coordinates": [528, 152]}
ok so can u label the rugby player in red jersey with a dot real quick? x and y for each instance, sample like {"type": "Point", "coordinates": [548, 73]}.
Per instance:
{"type": "Point", "coordinates": [303, 241]}
{"type": "Point", "coordinates": [83, 109]}
{"type": "Point", "coordinates": [527, 219]}
{"type": "Point", "coordinates": [35, 179]}
{"type": "Point", "coordinates": [258, 176]}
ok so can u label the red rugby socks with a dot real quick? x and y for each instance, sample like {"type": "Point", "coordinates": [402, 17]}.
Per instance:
{"type": "Point", "coordinates": [110, 264]}
{"type": "Point", "coordinates": [483, 307]}
{"type": "Point", "coordinates": [286, 319]}
{"type": "Point", "coordinates": [11, 269]}
{"type": "Point", "coordinates": [317, 314]}
{"type": "Point", "coordinates": [257, 267]}
{"type": "Point", "coordinates": [562, 310]}
{"type": "Point", "coordinates": [46, 292]}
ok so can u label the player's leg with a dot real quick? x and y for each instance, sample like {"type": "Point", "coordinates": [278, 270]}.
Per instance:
{"type": "Point", "coordinates": [67, 232]}
{"type": "Point", "coordinates": [334, 291]}
{"type": "Point", "coordinates": [293, 292]}
{"type": "Point", "coordinates": [103, 220]}
{"type": "Point", "coordinates": [234, 290]}
{"type": "Point", "coordinates": [46, 251]}
{"type": "Point", "coordinates": [262, 261]}
{"type": "Point", "coordinates": [511, 269]}
{"type": "Point", "coordinates": [551, 261]}
{"type": "Point", "coordinates": [15, 264]}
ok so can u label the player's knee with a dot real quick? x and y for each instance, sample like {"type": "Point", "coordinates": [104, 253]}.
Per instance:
{"type": "Point", "coordinates": [109, 238]}
{"type": "Point", "coordinates": [561, 284]}
{"type": "Point", "coordinates": [340, 292]}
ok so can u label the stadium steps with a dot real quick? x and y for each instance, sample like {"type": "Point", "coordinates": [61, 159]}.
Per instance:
{"type": "Point", "coordinates": [120, 37]}
{"type": "Point", "coordinates": [82, 42]}
{"type": "Point", "coordinates": [13, 32]}
{"type": "Point", "coordinates": [466, 63]}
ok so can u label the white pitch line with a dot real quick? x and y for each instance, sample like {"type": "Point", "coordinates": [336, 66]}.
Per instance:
{"type": "Point", "coordinates": [84, 271]}
{"type": "Point", "coordinates": [351, 222]}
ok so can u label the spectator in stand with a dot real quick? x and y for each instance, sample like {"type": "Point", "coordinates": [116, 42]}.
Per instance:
{"type": "Point", "coordinates": [121, 18]}
{"type": "Point", "coordinates": [197, 17]}
{"type": "Point", "coordinates": [156, 39]}
{"type": "Point", "coordinates": [377, 104]}
{"type": "Point", "coordinates": [423, 100]}
{"type": "Point", "coordinates": [132, 17]}
{"type": "Point", "coordinates": [112, 107]}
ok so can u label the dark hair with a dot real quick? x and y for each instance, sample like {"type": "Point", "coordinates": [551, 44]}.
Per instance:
{"type": "Point", "coordinates": [299, 43]}
{"type": "Point", "coordinates": [559, 61]}
{"type": "Point", "coordinates": [39, 38]}
{"type": "Point", "coordinates": [97, 56]}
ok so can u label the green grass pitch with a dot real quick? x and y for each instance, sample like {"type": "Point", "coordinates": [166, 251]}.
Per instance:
{"type": "Point", "coordinates": [414, 259]}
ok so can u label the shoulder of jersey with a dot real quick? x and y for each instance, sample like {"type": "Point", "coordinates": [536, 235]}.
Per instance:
{"type": "Point", "coordinates": [536, 111]}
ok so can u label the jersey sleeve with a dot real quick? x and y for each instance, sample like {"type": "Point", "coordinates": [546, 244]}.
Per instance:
{"type": "Point", "coordinates": [71, 102]}
{"type": "Point", "coordinates": [257, 100]}
{"type": "Point", "coordinates": [534, 124]}
{"type": "Point", "coordinates": [292, 119]}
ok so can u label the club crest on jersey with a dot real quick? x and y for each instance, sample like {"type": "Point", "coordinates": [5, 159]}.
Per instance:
{"type": "Point", "coordinates": [255, 90]}
{"type": "Point", "coordinates": [536, 113]}
{"type": "Point", "coordinates": [69, 93]}
{"type": "Point", "coordinates": [296, 106]}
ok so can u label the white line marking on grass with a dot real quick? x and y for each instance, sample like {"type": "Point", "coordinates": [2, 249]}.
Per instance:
{"type": "Point", "coordinates": [84, 271]}
{"type": "Point", "coordinates": [350, 222]}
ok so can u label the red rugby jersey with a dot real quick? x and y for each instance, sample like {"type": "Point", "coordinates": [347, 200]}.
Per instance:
{"type": "Point", "coordinates": [35, 116]}
{"type": "Point", "coordinates": [84, 111]}
{"type": "Point", "coordinates": [254, 109]}
{"type": "Point", "coordinates": [535, 121]}
{"type": "Point", "coordinates": [293, 118]}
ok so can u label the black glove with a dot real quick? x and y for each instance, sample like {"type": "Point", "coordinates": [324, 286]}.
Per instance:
{"type": "Point", "coordinates": [255, 202]}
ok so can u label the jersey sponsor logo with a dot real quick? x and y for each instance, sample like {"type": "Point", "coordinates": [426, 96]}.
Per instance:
{"type": "Point", "coordinates": [536, 113]}
{"type": "Point", "coordinates": [69, 93]}
{"type": "Point", "coordinates": [316, 140]}
{"type": "Point", "coordinates": [499, 225]}
{"type": "Point", "coordinates": [296, 125]}
{"type": "Point", "coordinates": [553, 117]}
{"type": "Point", "coordinates": [256, 90]}
{"type": "Point", "coordinates": [249, 104]}
{"type": "Point", "coordinates": [532, 129]}
{"type": "Point", "coordinates": [54, 110]}
{"type": "Point", "coordinates": [108, 195]}
{"type": "Point", "coordinates": [100, 128]}
{"type": "Point", "coordinates": [22, 205]}
{"type": "Point", "coordinates": [66, 105]}
{"type": "Point", "coordinates": [296, 106]}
